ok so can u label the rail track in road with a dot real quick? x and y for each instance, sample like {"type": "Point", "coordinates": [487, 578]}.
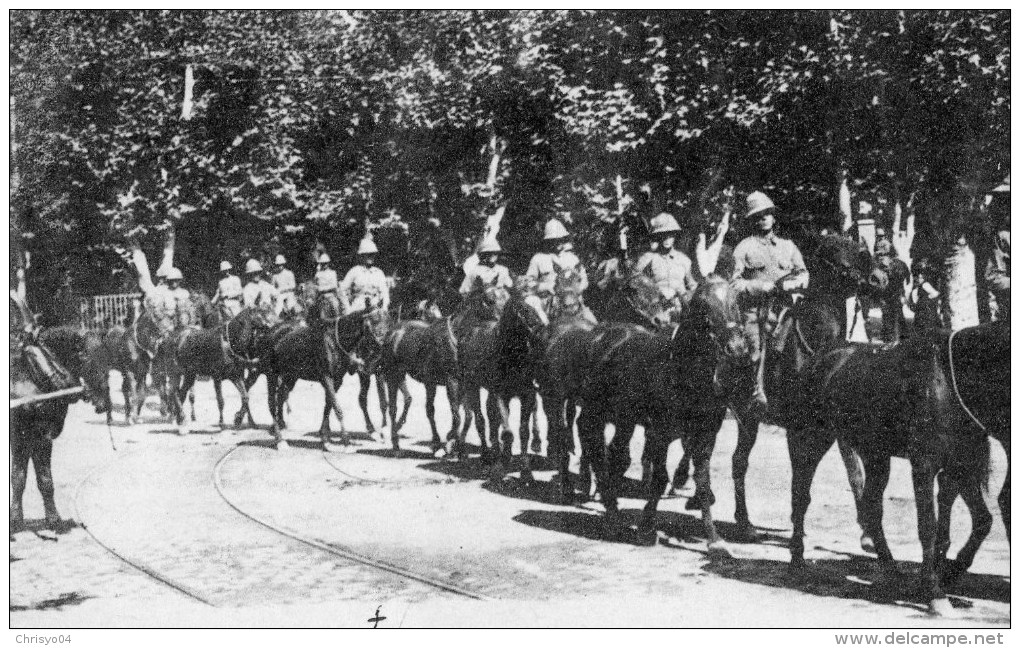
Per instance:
{"type": "Point", "coordinates": [202, 543]}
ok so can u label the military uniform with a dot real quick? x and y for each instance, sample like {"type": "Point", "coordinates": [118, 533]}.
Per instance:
{"type": "Point", "coordinates": [763, 260]}
{"type": "Point", "coordinates": [161, 305]}
{"type": "Point", "coordinates": [286, 286]}
{"type": "Point", "coordinates": [261, 295]}
{"type": "Point", "coordinates": [228, 295]}
{"type": "Point", "coordinates": [364, 284]}
{"type": "Point", "coordinates": [481, 277]}
{"type": "Point", "coordinates": [184, 311]}
{"type": "Point", "coordinates": [326, 284]}
{"type": "Point", "coordinates": [671, 272]}
{"type": "Point", "coordinates": [997, 273]}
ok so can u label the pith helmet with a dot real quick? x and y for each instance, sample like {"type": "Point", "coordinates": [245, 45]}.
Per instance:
{"type": "Point", "coordinates": [225, 266]}
{"type": "Point", "coordinates": [252, 266]}
{"type": "Point", "coordinates": [324, 258]}
{"type": "Point", "coordinates": [555, 230]}
{"type": "Point", "coordinates": [173, 274]}
{"type": "Point", "coordinates": [490, 246]}
{"type": "Point", "coordinates": [161, 272]}
{"type": "Point", "coordinates": [758, 202]}
{"type": "Point", "coordinates": [280, 259]}
{"type": "Point", "coordinates": [664, 223]}
{"type": "Point", "coordinates": [366, 246]}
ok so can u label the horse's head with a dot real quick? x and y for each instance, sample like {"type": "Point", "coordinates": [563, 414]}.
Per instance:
{"type": "Point", "coordinates": [840, 267]}
{"type": "Point", "coordinates": [713, 317]}
{"type": "Point", "coordinates": [496, 297]}
{"type": "Point", "coordinates": [80, 353]}
{"type": "Point", "coordinates": [568, 279]}
{"type": "Point", "coordinates": [523, 325]}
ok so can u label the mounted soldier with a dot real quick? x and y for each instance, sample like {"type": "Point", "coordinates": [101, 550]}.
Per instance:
{"type": "Point", "coordinates": [326, 286]}
{"type": "Point", "coordinates": [259, 293]}
{"type": "Point", "coordinates": [764, 264]}
{"type": "Point", "coordinates": [286, 285]}
{"type": "Point", "coordinates": [364, 285]}
{"type": "Point", "coordinates": [557, 259]}
{"type": "Point", "coordinates": [667, 266]}
{"type": "Point", "coordinates": [487, 274]}
{"type": "Point", "coordinates": [229, 292]}
{"type": "Point", "coordinates": [183, 310]}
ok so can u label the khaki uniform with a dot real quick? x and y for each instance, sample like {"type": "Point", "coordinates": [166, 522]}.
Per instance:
{"type": "Point", "coordinates": [161, 305]}
{"type": "Point", "coordinates": [261, 295]}
{"type": "Point", "coordinates": [481, 277]}
{"type": "Point", "coordinates": [671, 273]}
{"type": "Point", "coordinates": [228, 295]}
{"type": "Point", "coordinates": [545, 267]}
{"type": "Point", "coordinates": [326, 284]}
{"type": "Point", "coordinates": [286, 285]}
{"type": "Point", "coordinates": [364, 284]}
{"type": "Point", "coordinates": [184, 311]}
{"type": "Point", "coordinates": [997, 274]}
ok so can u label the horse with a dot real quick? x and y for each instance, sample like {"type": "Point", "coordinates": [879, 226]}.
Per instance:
{"type": "Point", "coordinates": [34, 426]}
{"type": "Point", "coordinates": [567, 329]}
{"type": "Point", "coordinates": [811, 324]}
{"type": "Point", "coordinates": [380, 330]}
{"type": "Point", "coordinates": [224, 352]}
{"type": "Point", "coordinates": [426, 351]}
{"type": "Point", "coordinates": [670, 384]}
{"type": "Point", "coordinates": [904, 401]}
{"type": "Point", "coordinates": [323, 352]}
{"type": "Point", "coordinates": [635, 300]}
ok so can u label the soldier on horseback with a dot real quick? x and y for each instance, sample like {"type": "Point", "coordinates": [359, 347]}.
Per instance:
{"type": "Point", "coordinates": [488, 273]}
{"type": "Point", "coordinates": [365, 285]}
{"type": "Point", "coordinates": [764, 264]}
{"type": "Point", "coordinates": [557, 258]}
{"type": "Point", "coordinates": [229, 292]}
{"type": "Point", "coordinates": [667, 266]}
{"type": "Point", "coordinates": [326, 285]}
{"type": "Point", "coordinates": [285, 284]}
{"type": "Point", "coordinates": [259, 293]}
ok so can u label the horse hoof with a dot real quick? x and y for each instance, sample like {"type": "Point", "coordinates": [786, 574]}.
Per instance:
{"type": "Point", "coordinates": [867, 543]}
{"type": "Point", "coordinates": [536, 446]}
{"type": "Point", "coordinates": [397, 453]}
{"type": "Point", "coordinates": [326, 447]}
{"type": "Point", "coordinates": [440, 453]}
{"type": "Point", "coordinates": [941, 607]}
{"type": "Point", "coordinates": [719, 549]}
{"type": "Point", "coordinates": [694, 503]}
{"type": "Point", "coordinates": [747, 533]}
{"type": "Point", "coordinates": [951, 573]}
{"type": "Point", "coordinates": [647, 536]}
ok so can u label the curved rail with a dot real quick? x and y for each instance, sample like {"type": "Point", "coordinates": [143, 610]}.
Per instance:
{"type": "Point", "coordinates": [145, 569]}
{"type": "Point", "coordinates": [342, 552]}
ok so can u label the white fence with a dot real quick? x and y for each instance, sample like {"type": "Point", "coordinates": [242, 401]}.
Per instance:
{"type": "Point", "coordinates": [104, 311]}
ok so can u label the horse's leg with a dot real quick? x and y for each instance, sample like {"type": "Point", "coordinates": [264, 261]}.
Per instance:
{"type": "Point", "coordinates": [187, 382]}
{"type": "Point", "coordinates": [430, 413]}
{"type": "Point", "coordinates": [923, 474]}
{"type": "Point", "coordinates": [681, 476]}
{"type": "Point", "coordinates": [501, 451]}
{"type": "Point", "coordinates": [618, 452]}
{"type": "Point", "coordinates": [584, 469]}
{"type": "Point", "coordinates": [591, 427]}
{"type": "Point", "coordinates": [656, 447]}
{"type": "Point", "coordinates": [42, 455]}
{"type": "Point", "coordinates": [20, 454]}
{"type": "Point", "coordinates": [536, 438]}
{"type": "Point", "coordinates": [331, 403]}
{"type": "Point", "coordinates": [806, 448]}
{"type": "Point", "coordinates": [242, 388]}
{"type": "Point", "coordinates": [406, 393]}
{"type": "Point", "coordinates": [528, 407]}
{"type": "Point", "coordinates": [855, 474]}
{"type": "Point", "coordinates": [364, 384]}
{"type": "Point", "coordinates": [876, 478]}
{"type": "Point", "coordinates": [455, 396]}
{"type": "Point", "coordinates": [129, 388]}
{"type": "Point", "coordinates": [556, 447]}
{"type": "Point", "coordinates": [701, 434]}
{"type": "Point", "coordinates": [380, 392]}
{"type": "Point", "coordinates": [980, 526]}
{"type": "Point", "coordinates": [249, 377]}
{"type": "Point", "coordinates": [218, 388]}
{"type": "Point", "coordinates": [747, 435]}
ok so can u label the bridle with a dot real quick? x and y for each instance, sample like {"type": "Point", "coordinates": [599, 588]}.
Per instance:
{"type": "Point", "coordinates": [229, 347]}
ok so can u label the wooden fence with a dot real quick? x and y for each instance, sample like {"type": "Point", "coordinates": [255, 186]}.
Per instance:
{"type": "Point", "coordinates": [104, 311]}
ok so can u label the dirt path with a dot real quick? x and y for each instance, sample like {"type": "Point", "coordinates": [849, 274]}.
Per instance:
{"type": "Point", "coordinates": [535, 562]}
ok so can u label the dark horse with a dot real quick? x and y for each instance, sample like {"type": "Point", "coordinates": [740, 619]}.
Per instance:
{"type": "Point", "coordinates": [502, 356]}
{"type": "Point", "coordinates": [813, 324]}
{"type": "Point", "coordinates": [35, 425]}
{"type": "Point", "coordinates": [626, 375]}
{"type": "Point", "coordinates": [224, 352]}
{"type": "Point", "coordinates": [322, 352]}
{"type": "Point", "coordinates": [428, 353]}
{"type": "Point", "coordinates": [906, 401]}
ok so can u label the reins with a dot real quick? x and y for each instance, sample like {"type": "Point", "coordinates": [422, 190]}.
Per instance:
{"type": "Point", "coordinates": [225, 339]}
{"type": "Point", "coordinates": [956, 389]}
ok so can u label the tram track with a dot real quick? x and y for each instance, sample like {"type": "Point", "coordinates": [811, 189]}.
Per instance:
{"type": "Point", "coordinates": [201, 561]}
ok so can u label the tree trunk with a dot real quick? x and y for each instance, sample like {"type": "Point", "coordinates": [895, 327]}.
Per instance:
{"type": "Point", "coordinates": [960, 293]}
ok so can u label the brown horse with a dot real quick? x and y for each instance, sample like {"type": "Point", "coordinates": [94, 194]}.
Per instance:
{"type": "Point", "coordinates": [905, 401]}
{"type": "Point", "coordinates": [503, 357]}
{"type": "Point", "coordinates": [672, 385]}
{"type": "Point", "coordinates": [224, 352]}
{"type": "Point", "coordinates": [34, 426]}
{"type": "Point", "coordinates": [428, 353]}
{"type": "Point", "coordinates": [323, 352]}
